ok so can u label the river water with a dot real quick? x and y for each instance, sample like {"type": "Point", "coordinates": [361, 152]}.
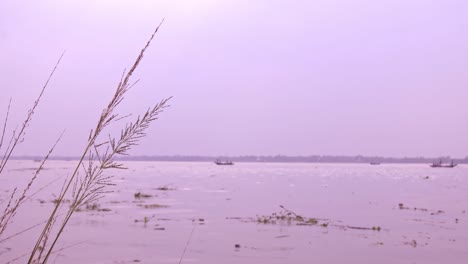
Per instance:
{"type": "Point", "coordinates": [252, 213]}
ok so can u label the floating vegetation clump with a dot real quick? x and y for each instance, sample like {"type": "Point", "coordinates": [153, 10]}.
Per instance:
{"type": "Point", "coordinates": [165, 188]}
{"type": "Point", "coordinates": [401, 206]}
{"type": "Point", "coordinates": [153, 206]}
{"type": "Point", "coordinates": [140, 195]}
{"type": "Point", "coordinates": [285, 218]}
{"type": "Point", "coordinates": [290, 218]}
{"type": "Point", "coordinates": [92, 207]}
{"type": "Point", "coordinates": [413, 243]}
{"type": "Point", "coordinates": [145, 220]}
{"type": "Point", "coordinates": [200, 221]}
{"type": "Point", "coordinates": [56, 201]}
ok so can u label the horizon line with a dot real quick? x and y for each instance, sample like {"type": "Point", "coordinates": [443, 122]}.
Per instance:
{"type": "Point", "coordinates": [265, 158]}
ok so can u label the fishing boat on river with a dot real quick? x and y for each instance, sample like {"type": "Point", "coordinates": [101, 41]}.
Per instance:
{"type": "Point", "coordinates": [223, 162]}
{"type": "Point", "coordinates": [441, 165]}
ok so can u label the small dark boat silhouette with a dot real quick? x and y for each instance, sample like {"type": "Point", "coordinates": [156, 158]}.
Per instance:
{"type": "Point", "coordinates": [441, 165]}
{"type": "Point", "coordinates": [223, 162]}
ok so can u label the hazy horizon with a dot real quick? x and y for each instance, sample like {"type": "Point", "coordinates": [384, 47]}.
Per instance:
{"type": "Point", "coordinates": [182, 156]}
{"type": "Point", "coordinates": [373, 78]}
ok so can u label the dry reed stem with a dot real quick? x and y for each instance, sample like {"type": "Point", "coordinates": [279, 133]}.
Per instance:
{"type": "Point", "coordinates": [42, 188]}
{"type": "Point", "coordinates": [18, 138]}
{"type": "Point", "coordinates": [187, 244]}
{"type": "Point", "coordinates": [92, 185]}
{"type": "Point", "coordinates": [5, 124]}
{"type": "Point", "coordinates": [10, 211]}
{"type": "Point", "coordinates": [55, 251]}
{"type": "Point", "coordinates": [22, 231]}
{"type": "Point", "coordinates": [7, 209]}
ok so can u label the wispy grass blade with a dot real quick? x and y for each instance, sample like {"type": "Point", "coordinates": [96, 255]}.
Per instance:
{"type": "Point", "coordinates": [11, 209]}
{"type": "Point", "coordinates": [5, 124]}
{"type": "Point", "coordinates": [19, 137]}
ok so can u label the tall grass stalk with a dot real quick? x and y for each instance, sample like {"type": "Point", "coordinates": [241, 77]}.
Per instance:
{"type": "Point", "coordinates": [17, 137]}
{"type": "Point", "coordinates": [11, 209]}
{"type": "Point", "coordinates": [97, 157]}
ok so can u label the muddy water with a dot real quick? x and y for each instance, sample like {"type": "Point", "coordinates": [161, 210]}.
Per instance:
{"type": "Point", "coordinates": [364, 214]}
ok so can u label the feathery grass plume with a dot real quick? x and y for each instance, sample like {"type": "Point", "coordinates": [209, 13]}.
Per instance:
{"type": "Point", "coordinates": [90, 185]}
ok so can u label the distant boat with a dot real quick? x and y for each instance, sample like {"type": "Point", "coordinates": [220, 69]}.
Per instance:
{"type": "Point", "coordinates": [223, 162]}
{"type": "Point", "coordinates": [441, 165]}
{"type": "Point", "coordinates": [375, 163]}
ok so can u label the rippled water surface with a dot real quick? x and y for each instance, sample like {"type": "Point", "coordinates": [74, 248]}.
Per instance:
{"type": "Point", "coordinates": [338, 213]}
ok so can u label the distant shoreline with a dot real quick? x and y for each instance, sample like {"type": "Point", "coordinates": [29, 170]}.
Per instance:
{"type": "Point", "coordinates": [273, 159]}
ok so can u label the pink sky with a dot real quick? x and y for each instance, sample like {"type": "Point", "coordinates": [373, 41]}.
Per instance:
{"type": "Point", "coordinates": [255, 77]}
